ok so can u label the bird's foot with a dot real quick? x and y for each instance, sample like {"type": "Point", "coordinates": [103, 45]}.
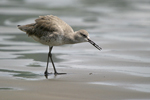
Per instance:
{"type": "Point", "coordinates": [55, 73]}
{"type": "Point", "coordinates": [46, 74]}
{"type": "Point", "coordinates": [59, 73]}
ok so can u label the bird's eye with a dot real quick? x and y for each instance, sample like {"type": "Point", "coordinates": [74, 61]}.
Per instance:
{"type": "Point", "coordinates": [83, 34]}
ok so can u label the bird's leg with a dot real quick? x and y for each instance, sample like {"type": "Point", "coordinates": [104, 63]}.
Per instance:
{"type": "Point", "coordinates": [50, 55]}
{"type": "Point", "coordinates": [46, 72]}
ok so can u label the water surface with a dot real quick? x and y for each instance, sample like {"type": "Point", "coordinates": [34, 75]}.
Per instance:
{"type": "Point", "coordinates": [120, 27]}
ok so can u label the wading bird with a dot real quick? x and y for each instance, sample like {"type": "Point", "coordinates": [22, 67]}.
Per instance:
{"type": "Point", "coordinates": [52, 31]}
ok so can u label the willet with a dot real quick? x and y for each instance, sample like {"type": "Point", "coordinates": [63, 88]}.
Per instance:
{"type": "Point", "coordinates": [52, 31]}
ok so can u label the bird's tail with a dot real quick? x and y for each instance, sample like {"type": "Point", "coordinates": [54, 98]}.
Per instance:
{"type": "Point", "coordinates": [27, 28]}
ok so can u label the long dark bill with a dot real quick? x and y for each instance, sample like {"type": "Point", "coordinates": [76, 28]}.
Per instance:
{"type": "Point", "coordinates": [94, 44]}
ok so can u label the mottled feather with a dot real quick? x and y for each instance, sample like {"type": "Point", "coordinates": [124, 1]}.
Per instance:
{"type": "Point", "coordinates": [51, 24]}
{"type": "Point", "coordinates": [46, 25]}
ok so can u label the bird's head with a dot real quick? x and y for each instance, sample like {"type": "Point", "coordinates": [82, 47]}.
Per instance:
{"type": "Point", "coordinates": [83, 36]}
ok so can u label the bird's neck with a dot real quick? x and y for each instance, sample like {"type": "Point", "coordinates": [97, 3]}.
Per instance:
{"type": "Point", "coordinates": [72, 38]}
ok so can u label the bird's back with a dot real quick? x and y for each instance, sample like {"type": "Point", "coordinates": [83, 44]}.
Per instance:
{"type": "Point", "coordinates": [46, 25]}
{"type": "Point", "coordinates": [48, 30]}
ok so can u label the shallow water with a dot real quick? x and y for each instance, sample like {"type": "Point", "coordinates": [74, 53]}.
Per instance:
{"type": "Point", "coordinates": [120, 27]}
